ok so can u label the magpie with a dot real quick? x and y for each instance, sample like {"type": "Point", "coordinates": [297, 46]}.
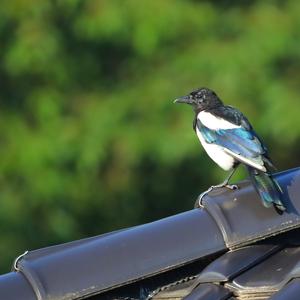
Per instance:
{"type": "Point", "coordinates": [229, 139]}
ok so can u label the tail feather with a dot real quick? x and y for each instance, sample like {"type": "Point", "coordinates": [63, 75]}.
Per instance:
{"type": "Point", "coordinates": [268, 189]}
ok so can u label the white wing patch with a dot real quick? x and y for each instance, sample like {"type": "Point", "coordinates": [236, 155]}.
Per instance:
{"type": "Point", "coordinates": [221, 154]}
{"type": "Point", "coordinates": [212, 122]}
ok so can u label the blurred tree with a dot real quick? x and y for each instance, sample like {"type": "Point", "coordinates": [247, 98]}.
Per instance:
{"type": "Point", "coordinates": [90, 139]}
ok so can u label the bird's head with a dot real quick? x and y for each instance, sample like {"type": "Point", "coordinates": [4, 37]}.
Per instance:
{"type": "Point", "coordinates": [201, 99]}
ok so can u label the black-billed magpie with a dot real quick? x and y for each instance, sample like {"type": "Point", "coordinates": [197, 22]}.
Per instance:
{"type": "Point", "coordinates": [229, 139]}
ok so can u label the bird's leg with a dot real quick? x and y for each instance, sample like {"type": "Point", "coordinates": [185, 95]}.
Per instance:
{"type": "Point", "coordinates": [225, 183]}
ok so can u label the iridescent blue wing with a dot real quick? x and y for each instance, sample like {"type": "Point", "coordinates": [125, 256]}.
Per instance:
{"type": "Point", "coordinates": [240, 143]}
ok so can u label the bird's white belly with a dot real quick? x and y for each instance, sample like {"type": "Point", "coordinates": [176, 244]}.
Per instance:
{"type": "Point", "coordinates": [217, 154]}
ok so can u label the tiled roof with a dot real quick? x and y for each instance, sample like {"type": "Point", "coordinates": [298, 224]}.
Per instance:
{"type": "Point", "coordinates": [232, 248]}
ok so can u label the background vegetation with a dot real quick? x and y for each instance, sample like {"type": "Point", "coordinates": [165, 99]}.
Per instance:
{"type": "Point", "coordinates": [90, 140]}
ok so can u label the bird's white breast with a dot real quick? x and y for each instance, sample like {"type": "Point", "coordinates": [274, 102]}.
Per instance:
{"type": "Point", "coordinates": [215, 152]}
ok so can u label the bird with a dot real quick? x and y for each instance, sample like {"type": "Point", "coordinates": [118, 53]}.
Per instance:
{"type": "Point", "coordinates": [230, 140]}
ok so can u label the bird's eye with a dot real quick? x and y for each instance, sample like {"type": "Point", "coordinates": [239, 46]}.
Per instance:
{"type": "Point", "coordinates": [201, 98]}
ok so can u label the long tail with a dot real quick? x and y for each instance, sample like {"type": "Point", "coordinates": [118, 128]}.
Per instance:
{"type": "Point", "coordinates": [268, 189]}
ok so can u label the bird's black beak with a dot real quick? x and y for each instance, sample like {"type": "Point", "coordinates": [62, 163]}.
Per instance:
{"type": "Point", "coordinates": [184, 99]}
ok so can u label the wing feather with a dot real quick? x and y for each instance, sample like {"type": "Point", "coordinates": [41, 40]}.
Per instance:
{"type": "Point", "coordinates": [240, 143]}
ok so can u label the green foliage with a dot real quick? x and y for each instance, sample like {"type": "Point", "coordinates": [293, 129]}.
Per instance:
{"type": "Point", "coordinates": [90, 138]}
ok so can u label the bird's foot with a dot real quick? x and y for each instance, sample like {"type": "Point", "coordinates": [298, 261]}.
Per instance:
{"type": "Point", "coordinates": [232, 187]}
{"type": "Point", "coordinates": [201, 196]}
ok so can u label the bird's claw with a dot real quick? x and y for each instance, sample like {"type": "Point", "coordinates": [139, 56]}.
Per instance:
{"type": "Point", "coordinates": [201, 196]}
{"type": "Point", "coordinates": [232, 187]}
